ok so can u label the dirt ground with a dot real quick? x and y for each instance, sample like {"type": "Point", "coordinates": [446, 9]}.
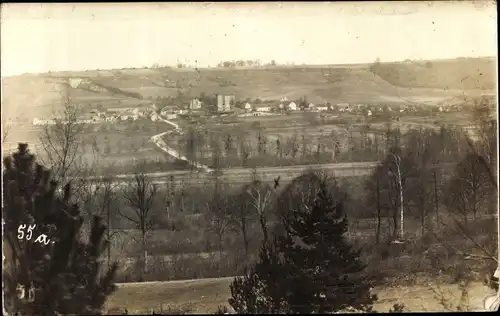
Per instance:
{"type": "Point", "coordinates": [205, 295]}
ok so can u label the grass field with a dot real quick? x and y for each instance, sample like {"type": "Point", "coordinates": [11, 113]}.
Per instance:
{"type": "Point", "coordinates": [205, 295]}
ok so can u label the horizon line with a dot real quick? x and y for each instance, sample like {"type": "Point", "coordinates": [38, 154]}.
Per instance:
{"type": "Point", "coordinates": [278, 65]}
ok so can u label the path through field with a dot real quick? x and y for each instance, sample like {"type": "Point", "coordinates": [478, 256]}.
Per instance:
{"type": "Point", "coordinates": [205, 295]}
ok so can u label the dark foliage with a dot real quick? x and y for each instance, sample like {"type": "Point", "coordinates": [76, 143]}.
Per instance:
{"type": "Point", "coordinates": [312, 269]}
{"type": "Point", "coordinates": [61, 276]}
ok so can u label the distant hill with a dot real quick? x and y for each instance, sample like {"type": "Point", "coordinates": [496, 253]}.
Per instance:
{"type": "Point", "coordinates": [426, 82]}
{"type": "Point", "coordinates": [460, 73]}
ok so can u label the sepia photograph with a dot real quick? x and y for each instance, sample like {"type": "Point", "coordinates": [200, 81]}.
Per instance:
{"type": "Point", "coordinates": [177, 158]}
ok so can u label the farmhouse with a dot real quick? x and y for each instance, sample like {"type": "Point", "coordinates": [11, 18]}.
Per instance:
{"type": "Point", "coordinates": [292, 106]}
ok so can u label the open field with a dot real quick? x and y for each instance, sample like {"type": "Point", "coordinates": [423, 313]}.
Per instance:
{"type": "Point", "coordinates": [205, 295]}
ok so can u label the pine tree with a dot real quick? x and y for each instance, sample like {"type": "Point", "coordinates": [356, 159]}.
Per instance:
{"type": "Point", "coordinates": [312, 269]}
{"type": "Point", "coordinates": [62, 275]}
{"type": "Point", "coordinates": [333, 278]}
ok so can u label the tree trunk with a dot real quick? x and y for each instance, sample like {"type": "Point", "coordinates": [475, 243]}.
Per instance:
{"type": "Point", "coordinates": [401, 201]}
{"type": "Point", "coordinates": [108, 229]}
{"type": "Point", "coordinates": [221, 248]}
{"type": "Point", "coordinates": [144, 255]}
{"type": "Point", "coordinates": [263, 225]}
{"type": "Point", "coordinates": [422, 217]}
{"type": "Point", "coordinates": [245, 238]}
{"type": "Point", "coordinates": [377, 235]}
{"type": "Point", "coordinates": [436, 199]}
{"type": "Point", "coordinates": [395, 222]}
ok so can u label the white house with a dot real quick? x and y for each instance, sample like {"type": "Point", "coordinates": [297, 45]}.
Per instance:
{"type": "Point", "coordinates": [248, 106]}
{"type": "Point", "coordinates": [310, 106]}
{"type": "Point", "coordinates": [369, 113]}
{"type": "Point", "coordinates": [292, 106]}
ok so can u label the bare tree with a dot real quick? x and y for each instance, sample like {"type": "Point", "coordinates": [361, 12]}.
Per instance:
{"type": "Point", "coordinates": [397, 171]}
{"type": "Point", "coordinates": [97, 198]}
{"type": "Point", "coordinates": [61, 143]}
{"type": "Point", "coordinates": [191, 145]}
{"type": "Point", "coordinates": [260, 196]}
{"type": "Point", "coordinates": [139, 195]}
{"type": "Point", "coordinates": [219, 214]}
{"type": "Point", "coordinates": [5, 129]}
{"type": "Point", "coordinates": [242, 217]}
{"type": "Point", "coordinates": [469, 188]}
{"type": "Point", "coordinates": [374, 191]}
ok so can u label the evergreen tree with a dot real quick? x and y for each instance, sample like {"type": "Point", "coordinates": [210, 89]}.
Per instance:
{"type": "Point", "coordinates": [312, 269]}
{"type": "Point", "coordinates": [61, 274]}
{"type": "Point", "coordinates": [332, 270]}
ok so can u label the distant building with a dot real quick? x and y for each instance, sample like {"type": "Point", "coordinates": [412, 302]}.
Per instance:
{"type": "Point", "coordinates": [262, 108]}
{"type": "Point", "coordinates": [75, 82]}
{"type": "Point", "coordinates": [195, 104]}
{"type": "Point", "coordinates": [292, 106]}
{"type": "Point", "coordinates": [171, 115]}
{"type": "Point", "coordinates": [225, 102]}
{"type": "Point", "coordinates": [171, 109]}
{"type": "Point", "coordinates": [284, 99]}
{"type": "Point", "coordinates": [321, 108]}
{"type": "Point", "coordinates": [248, 106]}
{"type": "Point", "coordinates": [343, 107]}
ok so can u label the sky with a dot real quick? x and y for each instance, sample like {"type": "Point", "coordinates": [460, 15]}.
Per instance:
{"type": "Point", "coordinates": [42, 37]}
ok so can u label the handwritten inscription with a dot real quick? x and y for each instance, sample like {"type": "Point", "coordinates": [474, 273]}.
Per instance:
{"type": "Point", "coordinates": [25, 232]}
